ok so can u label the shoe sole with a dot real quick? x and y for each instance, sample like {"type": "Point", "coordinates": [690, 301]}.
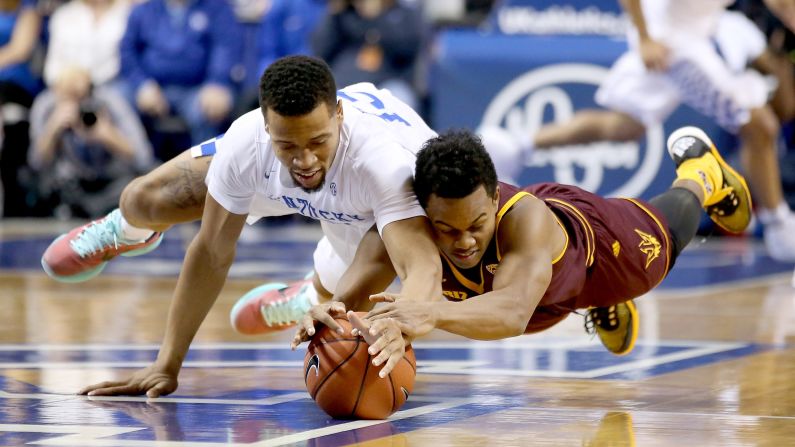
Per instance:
{"type": "Point", "coordinates": [633, 324]}
{"type": "Point", "coordinates": [252, 294]}
{"type": "Point", "coordinates": [739, 220]}
{"type": "Point", "coordinates": [144, 250]}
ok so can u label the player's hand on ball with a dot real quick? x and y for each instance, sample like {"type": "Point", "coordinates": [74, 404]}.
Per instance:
{"type": "Point", "coordinates": [415, 318]}
{"type": "Point", "coordinates": [321, 313]}
{"type": "Point", "coordinates": [153, 381]}
{"type": "Point", "coordinates": [386, 340]}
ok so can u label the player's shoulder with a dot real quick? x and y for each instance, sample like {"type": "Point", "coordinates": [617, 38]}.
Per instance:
{"type": "Point", "coordinates": [249, 126]}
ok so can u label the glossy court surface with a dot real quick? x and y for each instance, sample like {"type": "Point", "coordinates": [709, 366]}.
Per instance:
{"type": "Point", "coordinates": [714, 366]}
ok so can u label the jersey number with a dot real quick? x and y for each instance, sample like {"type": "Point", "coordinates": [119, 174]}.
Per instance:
{"type": "Point", "coordinates": [375, 103]}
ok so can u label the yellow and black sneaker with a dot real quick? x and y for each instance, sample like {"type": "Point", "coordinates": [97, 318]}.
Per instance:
{"type": "Point", "coordinates": [617, 326]}
{"type": "Point", "coordinates": [726, 196]}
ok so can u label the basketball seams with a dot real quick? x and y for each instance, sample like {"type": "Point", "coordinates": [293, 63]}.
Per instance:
{"type": "Point", "coordinates": [413, 365]}
{"type": "Point", "coordinates": [361, 385]}
{"type": "Point", "coordinates": [394, 399]}
{"type": "Point", "coordinates": [331, 373]}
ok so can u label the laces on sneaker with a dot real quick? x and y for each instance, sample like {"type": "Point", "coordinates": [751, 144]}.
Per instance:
{"type": "Point", "coordinates": [95, 237]}
{"type": "Point", "coordinates": [603, 317]}
{"type": "Point", "coordinates": [288, 310]}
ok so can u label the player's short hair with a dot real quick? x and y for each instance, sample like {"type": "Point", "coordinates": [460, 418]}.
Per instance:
{"type": "Point", "coordinates": [453, 165]}
{"type": "Point", "coordinates": [295, 85]}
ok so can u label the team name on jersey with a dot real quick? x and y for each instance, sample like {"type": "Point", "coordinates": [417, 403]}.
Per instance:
{"type": "Point", "coordinates": [304, 207]}
{"type": "Point", "coordinates": [455, 295]}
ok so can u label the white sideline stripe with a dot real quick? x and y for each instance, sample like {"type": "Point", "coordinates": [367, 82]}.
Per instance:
{"type": "Point", "coordinates": [273, 400]}
{"type": "Point", "coordinates": [212, 364]}
{"type": "Point", "coordinates": [467, 367]}
{"type": "Point", "coordinates": [542, 343]}
{"type": "Point", "coordinates": [87, 435]}
{"type": "Point", "coordinates": [403, 414]}
{"type": "Point", "coordinates": [75, 434]}
{"type": "Point", "coordinates": [589, 374]}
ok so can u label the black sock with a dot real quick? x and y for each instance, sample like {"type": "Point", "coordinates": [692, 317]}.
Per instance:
{"type": "Point", "coordinates": [682, 209]}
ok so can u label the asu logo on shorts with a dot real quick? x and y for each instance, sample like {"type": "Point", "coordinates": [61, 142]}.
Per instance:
{"type": "Point", "coordinates": [648, 245]}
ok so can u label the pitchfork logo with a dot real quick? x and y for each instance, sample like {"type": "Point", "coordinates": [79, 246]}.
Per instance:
{"type": "Point", "coordinates": [539, 97]}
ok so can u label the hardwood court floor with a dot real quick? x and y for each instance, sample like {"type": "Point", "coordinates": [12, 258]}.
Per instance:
{"type": "Point", "coordinates": [714, 367]}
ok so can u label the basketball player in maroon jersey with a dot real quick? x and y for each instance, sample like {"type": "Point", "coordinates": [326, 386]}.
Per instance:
{"type": "Point", "coordinates": [519, 260]}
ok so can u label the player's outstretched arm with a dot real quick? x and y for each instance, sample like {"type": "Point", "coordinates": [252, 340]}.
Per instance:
{"type": "Point", "coordinates": [415, 257]}
{"type": "Point", "coordinates": [370, 272]}
{"type": "Point", "coordinates": [530, 240]}
{"type": "Point", "coordinates": [203, 274]}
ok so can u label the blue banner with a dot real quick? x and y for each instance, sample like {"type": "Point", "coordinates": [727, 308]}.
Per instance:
{"type": "Point", "coordinates": [522, 82]}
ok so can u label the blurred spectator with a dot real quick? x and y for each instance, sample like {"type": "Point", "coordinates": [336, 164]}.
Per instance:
{"type": "Point", "coordinates": [287, 29]}
{"type": "Point", "coordinates": [86, 34]}
{"type": "Point", "coordinates": [182, 58]}
{"type": "Point", "coordinates": [87, 145]}
{"type": "Point", "coordinates": [20, 26]}
{"type": "Point", "coordinates": [374, 41]}
{"type": "Point", "coordinates": [284, 29]}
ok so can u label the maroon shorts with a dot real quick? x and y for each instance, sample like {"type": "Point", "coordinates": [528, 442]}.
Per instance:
{"type": "Point", "coordinates": [618, 249]}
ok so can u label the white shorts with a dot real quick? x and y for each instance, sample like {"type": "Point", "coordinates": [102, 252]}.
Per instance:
{"type": "Point", "coordinates": [697, 76]}
{"type": "Point", "coordinates": [329, 266]}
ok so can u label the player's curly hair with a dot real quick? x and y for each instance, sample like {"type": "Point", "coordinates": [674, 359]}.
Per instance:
{"type": "Point", "coordinates": [453, 165]}
{"type": "Point", "coordinates": [295, 85]}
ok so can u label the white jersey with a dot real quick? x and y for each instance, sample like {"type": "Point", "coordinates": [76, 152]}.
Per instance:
{"type": "Point", "coordinates": [673, 21]}
{"type": "Point", "coordinates": [369, 181]}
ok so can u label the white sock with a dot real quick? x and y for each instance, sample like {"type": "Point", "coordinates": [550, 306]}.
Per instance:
{"type": "Point", "coordinates": [132, 233]}
{"type": "Point", "coordinates": [775, 215]}
{"type": "Point", "coordinates": [311, 294]}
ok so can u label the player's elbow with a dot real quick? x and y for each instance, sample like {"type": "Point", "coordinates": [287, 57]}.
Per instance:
{"type": "Point", "coordinates": [517, 325]}
{"type": "Point", "coordinates": [514, 321]}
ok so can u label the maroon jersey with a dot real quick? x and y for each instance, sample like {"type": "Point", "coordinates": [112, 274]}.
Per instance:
{"type": "Point", "coordinates": [616, 250]}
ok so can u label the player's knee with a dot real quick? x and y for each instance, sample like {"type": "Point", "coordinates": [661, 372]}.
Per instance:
{"type": "Point", "coordinates": [138, 200]}
{"type": "Point", "coordinates": [622, 127]}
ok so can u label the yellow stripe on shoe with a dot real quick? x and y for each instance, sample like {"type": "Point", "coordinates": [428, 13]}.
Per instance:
{"type": "Point", "coordinates": [616, 326]}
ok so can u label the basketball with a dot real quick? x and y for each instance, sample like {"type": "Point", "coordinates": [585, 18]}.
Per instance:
{"type": "Point", "coordinates": [340, 376]}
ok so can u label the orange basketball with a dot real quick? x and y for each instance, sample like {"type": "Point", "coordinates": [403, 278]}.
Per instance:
{"type": "Point", "coordinates": [341, 378]}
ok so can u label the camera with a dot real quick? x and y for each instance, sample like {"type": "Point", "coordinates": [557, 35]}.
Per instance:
{"type": "Point", "coordinates": [88, 112]}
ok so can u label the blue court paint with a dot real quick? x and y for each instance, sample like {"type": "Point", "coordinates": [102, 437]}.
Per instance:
{"type": "Point", "coordinates": [284, 253]}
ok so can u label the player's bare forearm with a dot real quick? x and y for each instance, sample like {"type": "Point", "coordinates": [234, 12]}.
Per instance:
{"type": "Point", "coordinates": [415, 258]}
{"type": "Point", "coordinates": [203, 275]}
{"type": "Point", "coordinates": [635, 11]}
{"type": "Point", "coordinates": [482, 317]}
{"type": "Point", "coordinates": [370, 272]}
{"type": "Point", "coordinates": [199, 284]}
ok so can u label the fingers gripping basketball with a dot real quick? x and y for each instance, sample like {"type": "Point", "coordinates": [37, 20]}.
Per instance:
{"type": "Point", "coordinates": [341, 378]}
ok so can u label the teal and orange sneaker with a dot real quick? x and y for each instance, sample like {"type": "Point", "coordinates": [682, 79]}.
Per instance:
{"type": "Point", "coordinates": [617, 326]}
{"type": "Point", "coordinates": [83, 253]}
{"type": "Point", "coordinates": [272, 307]}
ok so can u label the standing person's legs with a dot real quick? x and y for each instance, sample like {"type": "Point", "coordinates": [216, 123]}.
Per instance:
{"type": "Point", "coordinates": [737, 102]}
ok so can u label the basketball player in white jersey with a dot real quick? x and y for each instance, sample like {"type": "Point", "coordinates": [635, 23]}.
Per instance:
{"type": "Point", "coordinates": [344, 158]}
{"type": "Point", "coordinates": [692, 52]}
